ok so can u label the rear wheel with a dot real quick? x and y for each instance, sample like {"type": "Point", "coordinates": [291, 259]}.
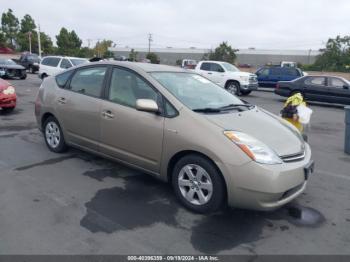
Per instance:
{"type": "Point", "coordinates": [32, 70]}
{"type": "Point", "coordinates": [54, 136]}
{"type": "Point", "coordinates": [24, 76]}
{"type": "Point", "coordinates": [233, 87]}
{"type": "Point", "coordinates": [198, 184]}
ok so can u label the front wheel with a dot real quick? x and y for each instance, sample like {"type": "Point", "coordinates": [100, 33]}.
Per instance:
{"type": "Point", "coordinates": [198, 184]}
{"type": "Point", "coordinates": [233, 87]}
{"type": "Point", "coordinates": [54, 136]}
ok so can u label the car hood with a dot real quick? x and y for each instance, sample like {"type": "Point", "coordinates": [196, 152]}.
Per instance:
{"type": "Point", "coordinates": [12, 66]}
{"type": "Point", "coordinates": [264, 126]}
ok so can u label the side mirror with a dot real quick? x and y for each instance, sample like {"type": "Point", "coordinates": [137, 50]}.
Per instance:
{"type": "Point", "coordinates": [147, 105]}
{"type": "Point", "coordinates": [221, 70]}
{"type": "Point", "coordinates": [345, 87]}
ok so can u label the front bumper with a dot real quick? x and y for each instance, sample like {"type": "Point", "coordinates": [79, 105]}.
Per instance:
{"type": "Point", "coordinates": [7, 101]}
{"type": "Point", "coordinates": [265, 187]}
{"type": "Point", "coordinates": [250, 86]}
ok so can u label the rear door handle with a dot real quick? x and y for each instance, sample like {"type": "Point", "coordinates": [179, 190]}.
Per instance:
{"type": "Point", "coordinates": [107, 114]}
{"type": "Point", "coordinates": [210, 73]}
{"type": "Point", "coordinates": [61, 100]}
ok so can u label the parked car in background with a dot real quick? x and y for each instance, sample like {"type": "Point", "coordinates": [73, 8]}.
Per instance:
{"type": "Point", "coordinates": [51, 65]}
{"type": "Point", "coordinates": [29, 61]}
{"type": "Point", "coordinates": [10, 69]}
{"type": "Point", "coordinates": [188, 63]}
{"type": "Point", "coordinates": [228, 76]}
{"type": "Point", "coordinates": [8, 97]}
{"type": "Point", "coordinates": [179, 127]}
{"type": "Point", "coordinates": [269, 76]}
{"type": "Point", "coordinates": [289, 64]}
{"type": "Point", "coordinates": [330, 89]}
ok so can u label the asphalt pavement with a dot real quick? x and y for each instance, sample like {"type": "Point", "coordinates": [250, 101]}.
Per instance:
{"type": "Point", "coordinates": [77, 203]}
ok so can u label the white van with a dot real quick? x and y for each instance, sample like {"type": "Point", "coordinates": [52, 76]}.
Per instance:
{"type": "Point", "coordinates": [51, 65]}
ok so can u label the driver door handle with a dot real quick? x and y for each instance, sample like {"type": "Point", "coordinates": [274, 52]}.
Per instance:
{"type": "Point", "coordinates": [61, 100]}
{"type": "Point", "coordinates": [107, 114]}
{"type": "Point", "coordinates": [210, 73]}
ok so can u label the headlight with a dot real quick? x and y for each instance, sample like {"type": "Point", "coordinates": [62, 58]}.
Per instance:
{"type": "Point", "coordinates": [244, 78]}
{"type": "Point", "coordinates": [256, 150]}
{"type": "Point", "coordinates": [8, 91]}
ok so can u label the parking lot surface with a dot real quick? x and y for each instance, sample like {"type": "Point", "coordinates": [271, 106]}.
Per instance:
{"type": "Point", "coordinates": [77, 203]}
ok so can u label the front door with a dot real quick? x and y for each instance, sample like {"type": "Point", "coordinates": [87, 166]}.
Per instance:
{"type": "Point", "coordinates": [127, 134]}
{"type": "Point", "coordinates": [338, 90]}
{"type": "Point", "coordinates": [79, 107]}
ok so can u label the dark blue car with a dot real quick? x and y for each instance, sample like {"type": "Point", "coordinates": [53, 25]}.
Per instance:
{"type": "Point", "coordinates": [269, 76]}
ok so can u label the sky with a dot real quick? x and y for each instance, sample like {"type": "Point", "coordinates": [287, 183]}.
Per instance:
{"type": "Point", "coordinates": [262, 24]}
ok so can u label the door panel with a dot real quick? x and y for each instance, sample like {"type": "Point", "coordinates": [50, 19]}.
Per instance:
{"type": "Point", "coordinates": [315, 88]}
{"type": "Point", "coordinates": [79, 107]}
{"type": "Point", "coordinates": [130, 135]}
{"type": "Point", "coordinates": [337, 90]}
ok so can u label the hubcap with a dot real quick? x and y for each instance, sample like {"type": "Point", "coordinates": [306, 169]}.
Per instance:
{"type": "Point", "coordinates": [52, 134]}
{"type": "Point", "coordinates": [232, 88]}
{"type": "Point", "coordinates": [195, 184]}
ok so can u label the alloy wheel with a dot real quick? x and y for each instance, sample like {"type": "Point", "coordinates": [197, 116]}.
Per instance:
{"type": "Point", "coordinates": [195, 184]}
{"type": "Point", "coordinates": [52, 134]}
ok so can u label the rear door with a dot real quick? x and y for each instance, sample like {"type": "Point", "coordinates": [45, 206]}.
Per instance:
{"type": "Point", "coordinates": [127, 134]}
{"type": "Point", "coordinates": [79, 106]}
{"type": "Point", "coordinates": [338, 90]}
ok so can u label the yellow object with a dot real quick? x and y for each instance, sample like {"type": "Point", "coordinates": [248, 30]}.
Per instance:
{"type": "Point", "coordinates": [295, 100]}
{"type": "Point", "coordinates": [295, 122]}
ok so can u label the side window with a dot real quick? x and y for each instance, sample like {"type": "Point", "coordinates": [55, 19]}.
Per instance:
{"type": "Point", "coordinates": [62, 79]}
{"type": "Point", "coordinates": [88, 81]}
{"type": "Point", "coordinates": [264, 72]}
{"type": "Point", "coordinates": [126, 87]}
{"type": "Point", "coordinates": [45, 61]}
{"type": "Point", "coordinates": [275, 71]}
{"type": "Point", "coordinates": [316, 80]}
{"type": "Point", "coordinates": [291, 72]}
{"type": "Point", "coordinates": [65, 64]}
{"type": "Point", "coordinates": [336, 83]}
{"type": "Point", "coordinates": [216, 68]}
{"type": "Point", "coordinates": [51, 61]}
{"type": "Point", "coordinates": [205, 66]}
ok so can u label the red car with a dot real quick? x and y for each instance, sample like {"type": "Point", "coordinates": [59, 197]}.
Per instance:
{"type": "Point", "coordinates": [7, 96]}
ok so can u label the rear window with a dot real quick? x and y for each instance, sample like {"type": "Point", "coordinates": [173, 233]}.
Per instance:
{"type": "Point", "coordinates": [62, 79]}
{"type": "Point", "coordinates": [205, 66]}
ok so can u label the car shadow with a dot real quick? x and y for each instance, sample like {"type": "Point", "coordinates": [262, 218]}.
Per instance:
{"type": "Point", "coordinates": [142, 201]}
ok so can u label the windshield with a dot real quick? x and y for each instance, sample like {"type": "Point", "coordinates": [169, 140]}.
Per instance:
{"type": "Point", "coordinates": [230, 68]}
{"type": "Point", "coordinates": [78, 61]}
{"type": "Point", "coordinates": [195, 91]}
{"type": "Point", "coordinates": [7, 62]}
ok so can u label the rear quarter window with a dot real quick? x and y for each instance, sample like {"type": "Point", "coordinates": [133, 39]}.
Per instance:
{"type": "Point", "coordinates": [51, 61]}
{"type": "Point", "coordinates": [62, 79]}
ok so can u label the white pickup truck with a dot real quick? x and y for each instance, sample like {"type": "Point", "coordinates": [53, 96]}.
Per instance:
{"type": "Point", "coordinates": [228, 76]}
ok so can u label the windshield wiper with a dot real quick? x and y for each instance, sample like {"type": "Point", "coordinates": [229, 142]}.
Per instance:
{"type": "Point", "coordinates": [230, 106]}
{"type": "Point", "coordinates": [207, 110]}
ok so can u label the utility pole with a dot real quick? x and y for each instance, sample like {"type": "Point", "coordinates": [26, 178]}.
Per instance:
{"type": "Point", "coordinates": [308, 60]}
{"type": "Point", "coordinates": [89, 42]}
{"type": "Point", "coordinates": [39, 42]}
{"type": "Point", "coordinates": [30, 41]}
{"type": "Point", "coordinates": [149, 42]}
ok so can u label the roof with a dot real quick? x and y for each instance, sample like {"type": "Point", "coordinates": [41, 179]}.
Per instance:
{"type": "Point", "coordinates": [147, 67]}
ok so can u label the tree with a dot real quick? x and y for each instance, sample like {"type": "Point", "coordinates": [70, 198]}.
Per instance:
{"type": "Point", "coordinates": [223, 52]}
{"type": "Point", "coordinates": [153, 57]}
{"type": "Point", "coordinates": [10, 27]}
{"type": "Point", "coordinates": [27, 27]}
{"type": "Point", "coordinates": [86, 52]}
{"type": "Point", "coordinates": [101, 48]}
{"type": "Point", "coordinates": [68, 43]}
{"type": "Point", "coordinates": [2, 39]}
{"type": "Point", "coordinates": [336, 55]}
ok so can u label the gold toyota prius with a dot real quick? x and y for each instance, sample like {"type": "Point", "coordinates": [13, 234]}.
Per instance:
{"type": "Point", "coordinates": [180, 127]}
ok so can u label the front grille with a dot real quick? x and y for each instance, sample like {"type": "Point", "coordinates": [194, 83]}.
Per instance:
{"type": "Point", "coordinates": [293, 157]}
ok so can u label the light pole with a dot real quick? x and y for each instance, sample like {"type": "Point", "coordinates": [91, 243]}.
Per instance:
{"type": "Point", "coordinates": [39, 42]}
{"type": "Point", "coordinates": [30, 41]}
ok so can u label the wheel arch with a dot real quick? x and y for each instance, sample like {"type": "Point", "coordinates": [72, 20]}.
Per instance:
{"type": "Point", "coordinates": [232, 80]}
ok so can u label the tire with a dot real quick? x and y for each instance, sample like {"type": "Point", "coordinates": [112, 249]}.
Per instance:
{"type": "Point", "coordinates": [8, 109]}
{"type": "Point", "coordinates": [245, 93]}
{"type": "Point", "coordinates": [233, 87]}
{"type": "Point", "coordinates": [198, 178]}
{"type": "Point", "coordinates": [43, 76]}
{"type": "Point", "coordinates": [53, 135]}
{"type": "Point", "coordinates": [31, 70]}
{"type": "Point", "coordinates": [23, 76]}
{"type": "Point", "coordinates": [295, 92]}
